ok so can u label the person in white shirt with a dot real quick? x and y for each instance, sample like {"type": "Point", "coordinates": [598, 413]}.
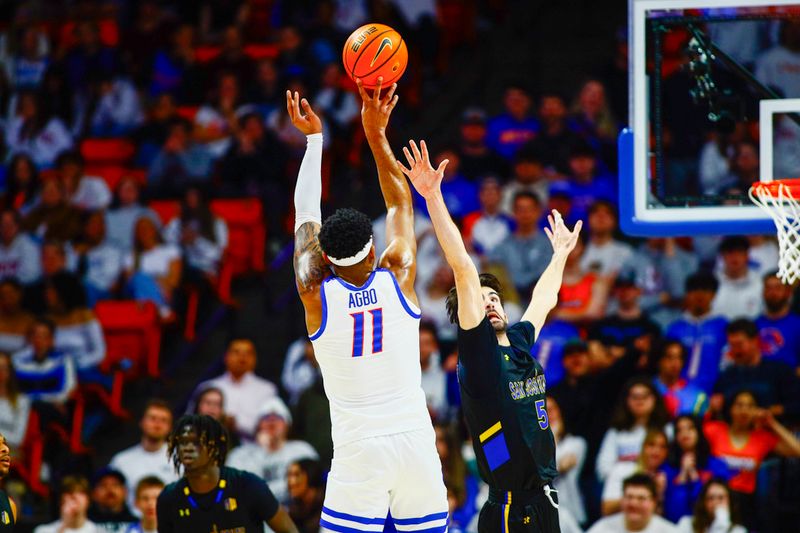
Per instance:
{"type": "Point", "coordinates": [434, 379]}
{"type": "Point", "coordinates": [778, 66]}
{"type": "Point", "coordinates": [740, 287]}
{"type": "Point", "coordinates": [34, 132]}
{"type": "Point", "coordinates": [152, 267]}
{"type": "Point", "coordinates": [271, 454]}
{"type": "Point", "coordinates": [245, 393]}
{"type": "Point", "coordinates": [570, 455]}
{"type": "Point", "coordinates": [118, 109]}
{"type": "Point", "coordinates": [73, 510]}
{"type": "Point", "coordinates": [19, 254]}
{"type": "Point", "coordinates": [604, 255]}
{"type": "Point", "coordinates": [96, 262]}
{"type": "Point", "coordinates": [146, 497]}
{"type": "Point", "coordinates": [84, 192]}
{"type": "Point", "coordinates": [149, 457]}
{"type": "Point", "coordinates": [638, 510]}
{"type": "Point", "coordinates": [126, 209]}
{"type": "Point", "coordinates": [713, 512]}
{"type": "Point", "coordinates": [487, 228]}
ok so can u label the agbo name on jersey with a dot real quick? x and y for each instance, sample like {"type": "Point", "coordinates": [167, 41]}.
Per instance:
{"type": "Point", "coordinates": [360, 299]}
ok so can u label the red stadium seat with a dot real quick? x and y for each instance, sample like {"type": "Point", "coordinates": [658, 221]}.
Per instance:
{"type": "Point", "coordinates": [187, 111]}
{"type": "Point", "coordinates": [205, 54]}
{"type": "Point", "coordinates": [28, 463]}
{"type": "Point", "coordinates": [246, 233]}
{"type": "Point", "coordinates": [261, 51]}
{"type": "Point", "coordinates": [109, 33]}
{"type": "Point", "coordinates": [165, 209]}
{"type": "Point", "coordinates": [107, 151]}
{"type": "Point", "coordinates": [113, 174]}
{"type": "Point", "coordinates": [133, 336]}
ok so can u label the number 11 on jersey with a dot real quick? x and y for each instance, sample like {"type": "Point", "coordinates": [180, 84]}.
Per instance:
{"type": "Point", "coordinates": [358, 331]}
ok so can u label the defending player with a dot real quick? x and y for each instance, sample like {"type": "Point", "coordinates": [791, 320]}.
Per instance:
{"type": "Point", "coordinates": [209, 496]}
{"type": "Point", "coordinates": [8, 510]}
{"type": "Point", "coordinates": [364, 324]}
{"type": "Point", "coordinates": [502, 386]}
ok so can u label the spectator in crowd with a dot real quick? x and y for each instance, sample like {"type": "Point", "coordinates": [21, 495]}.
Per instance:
{"type": "Point", "coordinates": [26, 67]}
{"type": "Point", "coordinates": [15, 406]}
{"type": "Point", "coordinates": [62, 101]}
{"type": "Point", "coordinates": [267, 89]}
{"type": "Point", "coordinates": [149, 137]}
{"type": "Point", "coordinates": [744, 167]}
{"type": "Point", "coordinates": [149, 457]}
{"type": "Point", "coordinates": [629, 327]}
{"type": "Point", "coordinates": [434, 379]}
{"type": "Point", "coordinates": [270, 456]}
{"type": "Point", "coordinates": [604, 254]}
{"type": "Point", "coordinates": [15, 322]}
{"type": "Point", "coordinates": [764, 254]}
{"type": "Point", "coordinates": [146, 497]}
{"type": "Point", "coordinates": [78, 332]}
{"type": "Point", "coordinates": [661, 267]}
{"type": "Point", "coordinates": [639, 409]}
{"type": "Point", "coordinates": [771, 66]}
{"type": "Point", "coordinates": [584, 293]}
{"type": "Point", "coordinates": [639, 503]}
{"type": "Point", "coordinates": [526, 252]}
{"type": "Point", "coordinates": [313, 420]}
{"type": "Point", "coordinates": [528, 176]}
{"type": "Point", "coordinates": [339, 105]}
{"type": "Point", "coordinates": [507, 132]}
{"type": "Point", "coordinates": [477, 159]}
{"type": "Point", "coordinates": [680, 396]}
{"type": "Point", "coordinates": [553, 339]}
{"type": "Point", "coordinates": [742, 441]}
{"type": "Point", "coordinates": [232, 58]}
{"type": "Point", "coordinates": [149, 30]}
{"type": "Point", "coordinates": [740, 287]}
{"type": "Point", "coordinates": [153, 269]}
{"type": "Point", "coordinates": [73, 508]}
{"type": "Point", "coordinates": [299, 369]}
{"type": "Point", "coordinates": [488, 227]}
{"type": "Point", "coordinates": [586, 183]}
{"type": "Point", "coordinates": [89, 57]}
{"type": "Point", "coordinates": [432, 300]}
{"type": "Point", "coordinates": [83, 192]}
{"type": "Point", "coordinates": [713, 511]}
{"type": "Point", "coordinates": [216, 123]}
{"type": "Point", "coordinates": [179, 163]}
{"type": "Point", "coordinates": [651, 462]}
{"type": "Point", "coordinates": [700, 331]}
{"type": "Point", "coordinates": [125, 210]}
{"type": "Point", "coordinates": [22, 184]}
{"type": "Point", "coordinates": [54, 217]}
{"type": "Point", "coordinates": [305, 481]}
{"type": "Point", "coordinates": [557, 133]}
{"type": "Point", "coordinates": [117, 109]}
{"type": "Point", "coordinates": [45, 374]}
{"type": "Point", "coordinates": [35, 132]}
{"type": "Point", "coordinates": [97, 263]}
{"type": "Point", "coordinates": [109, 509]}
{"type": "Point", "coordinates": [460, 194]}
{"type": "Point", "coordinates": [210, 401]}
{"type": "Point", "coordinates": [593, 119]}
{"type": "Point", "coordinates": [778, 327]}
{"type": "Point", "coordinates": [19, 254]}
{"type": "Point", "coordinates": [774, 383]}
{"type": "Point", "coordinates": [689, 466]}
{"type": "Point", "coordinates": [570, 456]}
{"type": "Point", "coordinates": [201, 237]}
{"type": "Point", "coordinates": [54, 262]}
{"type": "Point", "coordinates": [245, 393]}
{"type": "Point", "coordinates": [176, 70]}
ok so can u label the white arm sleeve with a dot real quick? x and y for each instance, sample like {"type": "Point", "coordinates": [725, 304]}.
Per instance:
{"type": "Point", "coordinates": [308, 191]}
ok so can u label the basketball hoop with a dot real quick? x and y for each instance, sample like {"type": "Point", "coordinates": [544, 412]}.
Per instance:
{"type": "Point", "coordinates": [777, 198]}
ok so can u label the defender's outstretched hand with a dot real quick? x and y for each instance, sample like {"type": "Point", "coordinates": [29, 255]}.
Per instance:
{"type": "Point", "coordinates": [306, 120]}
{"type": "Point", "coordinates": [425, 179]}
{"type": "Point", "coordinates": [375, 111]}
{"type": "Point", "coordinates": [562, 239]}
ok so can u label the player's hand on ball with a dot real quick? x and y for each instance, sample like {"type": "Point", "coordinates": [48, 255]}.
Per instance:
{"type": "Point", "coordinates": [425, 179]}
{"type": "Point", "coordinates": [562, 239]}
{"type": "Point", "coordinates": [303, 119]}
{"type": "Point", "coordinates": [375, 111]}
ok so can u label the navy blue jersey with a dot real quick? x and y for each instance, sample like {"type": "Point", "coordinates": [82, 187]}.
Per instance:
{"type": "Point", "coordinates": [503, 396]}
{"type": "Point", "coordinates": [6, 515]}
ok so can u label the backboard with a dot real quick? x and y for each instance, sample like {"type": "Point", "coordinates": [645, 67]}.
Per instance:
{"type": "Point", "coordinates": [714, 107]}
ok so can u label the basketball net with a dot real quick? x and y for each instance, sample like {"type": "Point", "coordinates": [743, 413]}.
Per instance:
{"type": "Point", "coordinates": [777, 200]}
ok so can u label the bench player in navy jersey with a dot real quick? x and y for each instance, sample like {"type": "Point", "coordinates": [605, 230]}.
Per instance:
{"type": "Point", "coordinates": [211, 498]}
{"type": "Point", "coordinates": [362, 317]}
{"type": "Point", "coordinates": [8, 510]}
{"type": "Point", "coordinates": [502, 385]}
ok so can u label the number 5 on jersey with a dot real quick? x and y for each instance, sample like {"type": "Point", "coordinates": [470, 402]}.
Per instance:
{"type": "Point", "coordinates": [358, 331]}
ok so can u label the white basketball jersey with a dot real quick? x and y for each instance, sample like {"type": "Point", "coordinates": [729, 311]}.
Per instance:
{"type": "Point", "coordinates": [368, 352]}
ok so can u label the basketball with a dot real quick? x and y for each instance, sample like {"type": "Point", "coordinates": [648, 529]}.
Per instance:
{"type": "Point", "coordinates": [372, 51]}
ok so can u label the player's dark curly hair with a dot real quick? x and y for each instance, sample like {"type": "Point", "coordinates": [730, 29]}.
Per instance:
{"type": "Point", "coordinates": [344, 233]}
{"type": "Point", "coordinates": [211, 433]}
{"type": "Point", "coordinates": [487, 280]}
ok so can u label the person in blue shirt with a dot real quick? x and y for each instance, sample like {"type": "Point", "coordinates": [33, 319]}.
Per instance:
{"type": "Point", "coordinates": [587, 182]}
{"type": "Point", "coordinates": [509, 131]}
{"type": "Point", "coordinates": [779, 328]}
{"type": "Point", "coordinates": [555, 338]}
{"type": "Point", "coordinates": [45, 374]}
{"type": "Point", "coordinates": [460, 194]}
{"type": "Point", "coordinates": [702, 334]}
{"type": "Point", "coordinates": [680, 396]}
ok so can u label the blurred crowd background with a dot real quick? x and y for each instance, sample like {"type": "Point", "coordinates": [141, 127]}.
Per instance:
{"type": "Point", "coordinates": [145, 257]}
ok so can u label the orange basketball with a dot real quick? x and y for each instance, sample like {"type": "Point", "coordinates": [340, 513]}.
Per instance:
{"type": "Point", "coordinates": [375, 50]}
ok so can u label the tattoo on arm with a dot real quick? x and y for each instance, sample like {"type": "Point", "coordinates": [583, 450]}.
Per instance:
{"type": "Point", "coordinates": [309, 267]}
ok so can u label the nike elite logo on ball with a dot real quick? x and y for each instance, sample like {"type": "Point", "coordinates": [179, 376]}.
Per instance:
{"type": "Point", "coordinates": [384, 43]}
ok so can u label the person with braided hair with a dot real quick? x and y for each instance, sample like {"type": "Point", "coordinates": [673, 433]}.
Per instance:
{"type": "Point", "coordinates": [210, 497]}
